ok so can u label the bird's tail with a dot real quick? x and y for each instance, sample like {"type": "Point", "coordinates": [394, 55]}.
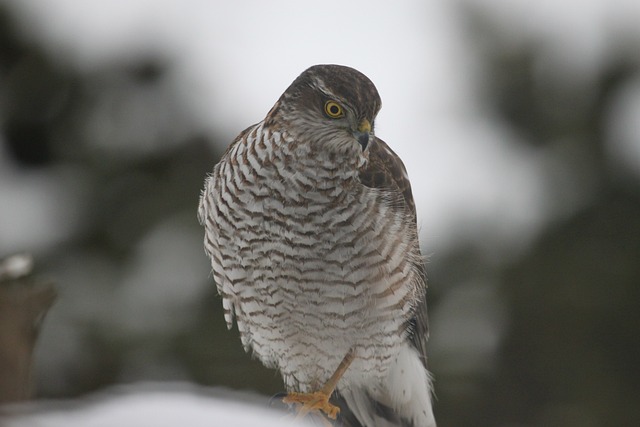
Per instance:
{"type": "Point", "coordinates": [403, 399]}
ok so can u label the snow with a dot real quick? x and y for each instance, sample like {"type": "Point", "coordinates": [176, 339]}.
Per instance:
{"type": "Point", "coordinates": [152, 405]}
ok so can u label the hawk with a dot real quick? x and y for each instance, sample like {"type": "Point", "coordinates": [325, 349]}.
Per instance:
{"type": "Point", "coordinates": [310, 226]}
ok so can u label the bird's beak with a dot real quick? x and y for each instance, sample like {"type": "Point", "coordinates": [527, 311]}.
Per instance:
{"type": "Point", "coordinates": [364, 126]}
{"type": "Point", "coordinates": [364, 130]}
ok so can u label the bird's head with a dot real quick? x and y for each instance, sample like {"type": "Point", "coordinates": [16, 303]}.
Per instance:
{"type": "Point", "coordinates": [332, 106]}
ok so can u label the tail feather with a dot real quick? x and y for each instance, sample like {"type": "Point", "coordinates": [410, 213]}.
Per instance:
{"type": "Point", "coordinates": [369, 411]}
{"type": "Point", "coordinates": [404, 401]}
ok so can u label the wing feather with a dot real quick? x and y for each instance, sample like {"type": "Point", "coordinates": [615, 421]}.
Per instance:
{"type": "Point", "coordinates": [385, 170]}
{"type": "Point", "coordinates": [359, 407]}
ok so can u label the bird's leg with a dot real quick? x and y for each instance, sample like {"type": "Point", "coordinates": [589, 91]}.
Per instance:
{"type": "Point", "coordinates": [319, 400]}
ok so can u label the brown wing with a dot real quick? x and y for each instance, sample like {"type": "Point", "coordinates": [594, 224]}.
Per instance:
{"type": "Point", "coordinates": [386, 171]}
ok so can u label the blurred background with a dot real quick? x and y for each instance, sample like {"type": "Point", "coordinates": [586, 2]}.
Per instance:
{"type": "Point", "coordinates": [519, 123]}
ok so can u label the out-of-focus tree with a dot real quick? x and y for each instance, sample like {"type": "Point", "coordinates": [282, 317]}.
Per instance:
{"type": "Point", "coordinates": [117, 147]}
{"type": "Point", "coordinates": [114, 162]}
{"type": "Point", "coordinates": [569, 351]}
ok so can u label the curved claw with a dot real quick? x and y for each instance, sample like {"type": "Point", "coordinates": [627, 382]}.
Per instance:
{"type": "Point", "coordinates": [277, 399]}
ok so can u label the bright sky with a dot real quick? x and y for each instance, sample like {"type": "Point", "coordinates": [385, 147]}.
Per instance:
{"type": "Point", "coordinates": [234, 59]}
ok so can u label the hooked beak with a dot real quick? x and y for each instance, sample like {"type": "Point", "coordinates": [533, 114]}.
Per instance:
{"type": "Point", "coordinates": [363, 133]}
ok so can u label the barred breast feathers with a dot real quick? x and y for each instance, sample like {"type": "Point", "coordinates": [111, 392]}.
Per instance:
{"type": "Point", "coordinates": [213, 209]}
{"type": "Point", "coordinates": [243, 164]}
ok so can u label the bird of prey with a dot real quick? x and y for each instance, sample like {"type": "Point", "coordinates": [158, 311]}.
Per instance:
{"type": "Point", "coordinates": [310, 226]}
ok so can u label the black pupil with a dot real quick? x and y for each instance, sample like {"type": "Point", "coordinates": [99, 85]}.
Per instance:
{"type": "Point", "coordinates": [334, 109]}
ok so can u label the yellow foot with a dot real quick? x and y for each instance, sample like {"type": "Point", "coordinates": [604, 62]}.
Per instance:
{"type": "Point", "coordinates": [312, 402]}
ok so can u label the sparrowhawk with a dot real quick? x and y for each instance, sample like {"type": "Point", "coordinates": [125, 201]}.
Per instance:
{"type": "Point", "coordinates": [310, 225]}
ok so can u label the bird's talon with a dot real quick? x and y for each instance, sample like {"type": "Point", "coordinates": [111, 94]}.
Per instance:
{"type": "Point", "coordinates": [312, 402]}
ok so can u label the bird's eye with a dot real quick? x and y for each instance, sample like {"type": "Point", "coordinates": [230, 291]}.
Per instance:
{"type": "Point", "coordinates": [333, 109]}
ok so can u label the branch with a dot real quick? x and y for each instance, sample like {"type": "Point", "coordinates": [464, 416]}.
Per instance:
{"type": "Point", "coordinates": [23, 304]}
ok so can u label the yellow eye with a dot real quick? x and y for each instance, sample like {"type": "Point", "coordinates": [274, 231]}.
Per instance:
{"type": "Point", "coordinates": [333, 109]}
